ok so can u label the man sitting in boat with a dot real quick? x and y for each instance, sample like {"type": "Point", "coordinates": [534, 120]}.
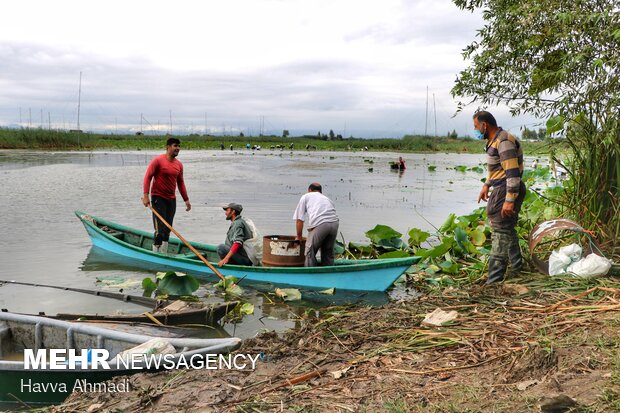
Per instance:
{"type": "Point", "coordinates": [232, 250]}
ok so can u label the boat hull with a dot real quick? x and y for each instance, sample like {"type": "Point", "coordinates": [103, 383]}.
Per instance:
{"type": "Point", "coordinates": [361, 275]}
{"type": "Point", "coordinates": [209, 315]}
{"type": "Point", "coordinates": [46, 383]}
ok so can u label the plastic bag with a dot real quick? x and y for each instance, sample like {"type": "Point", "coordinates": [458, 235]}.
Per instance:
{"type": "Point", "coordinates": [558, 263]}
{"type": "Point", "coordinates": [254, 246]}
{"type": "Point", "coordinates": [562, 258]}
{"type": "Point", "coordinates": [572, 251]}
{"type": "Point", "coordinates": [591, 266]}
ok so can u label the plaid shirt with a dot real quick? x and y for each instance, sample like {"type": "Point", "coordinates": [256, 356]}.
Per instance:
{"type": "Point", "coordinates": [505, 163]}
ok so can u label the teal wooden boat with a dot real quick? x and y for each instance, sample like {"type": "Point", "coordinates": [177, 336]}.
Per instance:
{"type": "Point", "coordinates": [29, 384]}
{"type": "Point", "coordinates": [135, 245]}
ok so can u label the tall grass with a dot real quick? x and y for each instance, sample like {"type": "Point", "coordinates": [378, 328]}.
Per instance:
{"type": "Point", "coordinates": [43, 139]}
{"type": "Point", "coordinates": [52, 139]}
{"type": "Point", "coordinates": [591, 194]}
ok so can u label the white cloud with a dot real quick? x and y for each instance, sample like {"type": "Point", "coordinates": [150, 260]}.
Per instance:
{"type": "Point", "coordinates": [305, 65]}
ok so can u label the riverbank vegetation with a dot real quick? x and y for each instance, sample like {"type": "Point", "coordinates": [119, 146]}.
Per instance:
{"type": "Point", "coordinates": [62, 140]}
{"type": "Point", "coordinates": [560, 63]}
{"type": "Point", "coordinates": [533, 343]}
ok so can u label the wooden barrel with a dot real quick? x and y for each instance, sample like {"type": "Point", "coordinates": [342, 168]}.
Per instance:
{"type": "Point", "coordinates": [283, 251]}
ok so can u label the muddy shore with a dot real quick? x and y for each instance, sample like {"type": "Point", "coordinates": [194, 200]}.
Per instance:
{"type": "Point", "coordinates": [513, 348]}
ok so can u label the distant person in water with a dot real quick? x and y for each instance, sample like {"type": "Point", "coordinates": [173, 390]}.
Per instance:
{"type": "Point", "coordinates": [319, 212]}
{"type": "Point", "coordinates": [400, 164]}
{"type": "Point", "coordinates": [163, 175]}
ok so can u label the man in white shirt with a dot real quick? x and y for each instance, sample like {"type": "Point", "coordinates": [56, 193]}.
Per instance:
{"type": "Point", "coordinates": [319, 212]}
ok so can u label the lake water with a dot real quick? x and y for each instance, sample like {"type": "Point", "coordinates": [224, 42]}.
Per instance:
{"type": "Point", "coordinates": [44, 242]}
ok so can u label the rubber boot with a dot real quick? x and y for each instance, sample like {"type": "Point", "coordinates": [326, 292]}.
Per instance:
{"type": "Point", "coordinates": [498, 260]}
{"type": "Point", "coordinates": [164, 247]}
{"type": "Point", "coordinates": [497, 270]}
{"type": "Point", "coordinates": [156, 248]}
{"type": "Point", "coordinates": [515, 257]}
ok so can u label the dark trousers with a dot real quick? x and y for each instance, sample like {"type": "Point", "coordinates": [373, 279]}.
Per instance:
{"type": "Point", "coordinates": [166, 208]}
{"type": "Point", "coordinates": [238, 258]}
{"type": "Point", "coordinates": [505, 247]}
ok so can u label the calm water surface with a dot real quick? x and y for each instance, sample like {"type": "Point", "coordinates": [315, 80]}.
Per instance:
{"type": "Point", "coordinates": [44, 242]}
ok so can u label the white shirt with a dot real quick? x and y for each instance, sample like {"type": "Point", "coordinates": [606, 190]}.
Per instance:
{"type": "Point", "coordinates": [316, 209]}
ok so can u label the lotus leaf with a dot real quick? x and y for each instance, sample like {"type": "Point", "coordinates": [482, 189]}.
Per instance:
{"type": "Point", "coordinates": [288, 294]}
{"type": "Point", "coordinates": [173, 283]}
{"type": "Point", "coordinates": [417, 237]}
{"type": "Point", "coordinates": [382, 232]}
{"type": "Point", "coordinates": [448, 224]}
{"type": "Point", "coordinates": [246, 308]}
{"type": "Point", "coordinates": [394, 254]}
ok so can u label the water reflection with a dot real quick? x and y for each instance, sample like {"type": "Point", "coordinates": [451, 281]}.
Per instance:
{"type": "Point", "coordinates": [44, 241]}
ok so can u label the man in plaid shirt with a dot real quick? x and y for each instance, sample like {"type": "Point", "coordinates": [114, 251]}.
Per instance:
{"type": "Point", "coordinates": [505, 169]}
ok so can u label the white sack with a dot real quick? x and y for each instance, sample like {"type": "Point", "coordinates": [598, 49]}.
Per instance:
{"type": "Point", "coordinates": [591, 266]}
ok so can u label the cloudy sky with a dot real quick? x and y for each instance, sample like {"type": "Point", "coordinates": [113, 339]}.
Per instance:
{"type": "Point", "coordinates": [360, 68]}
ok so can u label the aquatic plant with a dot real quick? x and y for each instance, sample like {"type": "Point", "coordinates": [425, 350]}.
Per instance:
{"type": "Point", "coordinates": [170, 283]}
{"type": "Point", "coordinates": [458, 250]}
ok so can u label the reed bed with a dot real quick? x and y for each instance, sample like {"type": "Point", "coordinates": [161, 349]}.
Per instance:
{"type": "Point", "coordinates": [510, 347]}
{"type": "Point", "coordinates": [61, 140]}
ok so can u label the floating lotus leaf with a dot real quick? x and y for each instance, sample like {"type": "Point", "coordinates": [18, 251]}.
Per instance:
{"type": "Point", "coordinates": [394, 254]}
{"type": "Point", "coordinates": [417, 237]}
{"type": "Point", "coordinates": [384, 235]}
{"type": "Point", "coordinates": [173, 283]}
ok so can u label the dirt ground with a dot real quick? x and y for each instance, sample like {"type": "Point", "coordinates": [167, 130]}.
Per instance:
{"type": "Point", "coordinates": [512, 349]}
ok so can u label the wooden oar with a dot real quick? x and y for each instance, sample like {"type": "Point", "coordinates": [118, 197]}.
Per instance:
{"type": "Point", "coordinates": [145, 301]}
{"type": "Point", "coordinates": [190, 246]}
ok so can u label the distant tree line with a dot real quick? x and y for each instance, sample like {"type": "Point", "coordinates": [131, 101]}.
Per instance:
{"type": "Point", "coordinates": [530, 134]}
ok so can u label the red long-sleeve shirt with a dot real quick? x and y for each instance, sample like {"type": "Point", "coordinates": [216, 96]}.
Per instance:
{"type": "Point", "coordinates": [166, 175]}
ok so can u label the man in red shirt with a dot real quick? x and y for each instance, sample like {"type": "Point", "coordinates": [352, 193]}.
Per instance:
{"type": "Point", "coordinates": [165, 172]}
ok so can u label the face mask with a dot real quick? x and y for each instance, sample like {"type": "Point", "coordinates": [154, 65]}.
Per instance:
{"type": "Point", "coordinates": [478, 134]}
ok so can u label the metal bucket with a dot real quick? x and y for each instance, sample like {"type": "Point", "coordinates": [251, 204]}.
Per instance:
{"type": "Point", "coordinates": [283, 251]}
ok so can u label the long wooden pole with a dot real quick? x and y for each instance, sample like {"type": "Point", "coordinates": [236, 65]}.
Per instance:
{"type": "Point", "coordinates": [190, 246]}
{"type": "Point", "coordinates": [145, 301]}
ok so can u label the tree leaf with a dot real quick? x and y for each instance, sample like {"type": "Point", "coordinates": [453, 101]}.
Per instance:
{"type": "Point", "coordinates": [555, 124]}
